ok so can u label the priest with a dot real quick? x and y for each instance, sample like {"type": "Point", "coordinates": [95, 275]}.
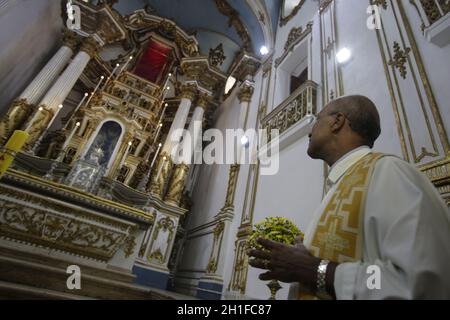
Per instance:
{"type": "Point", "coordinates": [381, 232]}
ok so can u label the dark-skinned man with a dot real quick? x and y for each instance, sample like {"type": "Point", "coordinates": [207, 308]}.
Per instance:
{"type": "Point", "coordinates": [381, 232]}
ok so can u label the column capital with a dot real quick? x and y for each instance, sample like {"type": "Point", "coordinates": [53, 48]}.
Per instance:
{"type": "Point", "coordinates": [203, 101]}
{"type": "Point", "coordinates": [70, 40]}
{"type": "Point", "coordinates": [188, 91]}
{"type": "Point", "coordinates": [90, 46]}
{"type": "Point", "coordinates": [246, 92]}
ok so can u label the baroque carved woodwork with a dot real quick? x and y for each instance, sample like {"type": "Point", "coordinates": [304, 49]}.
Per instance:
{"type": "Point", "coordinates": [58, 227]}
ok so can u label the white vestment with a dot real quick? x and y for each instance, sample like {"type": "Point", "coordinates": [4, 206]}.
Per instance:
{"type": "Point", "coordinates": [406, 234]}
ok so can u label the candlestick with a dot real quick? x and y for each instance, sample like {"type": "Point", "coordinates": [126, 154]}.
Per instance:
{"type": "Point", "coordinates": [156, 156]}
{"type": "Point", "coordinates": [95, 90]}
{"type": "Point", "coordinates": [30, 124]}
{"type": "Point", "coordinates": [124, 66]}
{"type": "Point", "coordinates": [163, 113]}
{"type": "Point", "coordinates": [143, 184]}
{"type": "Point", "coordinates": [77, 108]}
{"type": "Point", "coordinates": [166, 91]}
{"type": "Point", "coordinates": [111, 75]}
{"type": "Point", "coordinates": [157, 133]}
{"type": "Point", "coordinates": [122, 162]}
{"type": "Point", "coordinates": [75, 128]}
{"type": "Point", "coordinates": [166, 86]}
{"type": "Point", "coordinates": [160, 169]}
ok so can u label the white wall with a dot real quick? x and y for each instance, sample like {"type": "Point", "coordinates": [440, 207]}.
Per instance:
{"type": "Point", "coordinates": [30, 33]}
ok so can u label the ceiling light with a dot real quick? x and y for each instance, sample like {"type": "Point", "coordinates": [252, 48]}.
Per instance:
{"type": "Point", "coordinates": [343, 55]}
{"type": "Point", "coordinates": [264, 50]}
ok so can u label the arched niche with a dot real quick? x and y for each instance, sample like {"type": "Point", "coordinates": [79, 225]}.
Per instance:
{"type": "Point", "coordinates": [108, 137]}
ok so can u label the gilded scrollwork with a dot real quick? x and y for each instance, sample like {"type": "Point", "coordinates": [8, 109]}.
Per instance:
{"type": "Point", "coordinates": [61, 231]}
{"type": "Point", "coordinates": [232, 183]}
{"type": "Point", "coordinates": [14, 118]}
{"type": "Point", "coordinates": [217, 242]}
{"type": "Point", "coordinates": [177, 183]}
{"type": "Point", "coordinates": [400, 59]}
{"type": "Point", "coordinates": [160, 247]}
{"type": "Point", "coordinates": [296, 35]}
{"type": "Point", "coordinates": [226, 9]}
{"type": "Point", "coordinates": [246, 93]}
{"type": "Point", "coordinates": [285, 19]}
{"type": "Point", "coordinates": [217, 56]}
{"type": "Point", "coordinates": [38, 124]}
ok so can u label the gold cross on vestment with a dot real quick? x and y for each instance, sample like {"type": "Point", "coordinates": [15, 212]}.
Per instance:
{"type": "Point", "coordinates": [331, 241]}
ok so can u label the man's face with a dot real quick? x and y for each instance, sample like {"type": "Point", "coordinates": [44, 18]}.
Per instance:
{"type": "Point", "coordinates": [320, 134]}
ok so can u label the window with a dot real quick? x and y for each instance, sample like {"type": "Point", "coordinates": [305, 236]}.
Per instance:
{"type": "Point", "coordinates": [292, 71]}
{"type": "Point", "coordinates": [297, 81]}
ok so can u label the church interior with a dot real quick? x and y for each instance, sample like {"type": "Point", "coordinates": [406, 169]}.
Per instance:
{"type": "Point", "coordinates": [101, 85]}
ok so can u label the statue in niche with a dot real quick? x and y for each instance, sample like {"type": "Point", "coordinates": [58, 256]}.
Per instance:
{"type": "Point", "coordinates": [105, 143]}
{"type": "Point", "coordinates": [217, 56]}
{"type": "Point", "coordinates": [96, 156]}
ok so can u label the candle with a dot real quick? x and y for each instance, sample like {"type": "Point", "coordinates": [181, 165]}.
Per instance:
{"type": "Point", "coordinates": [30, 124]}
{"type": "Point", "coordinates": [55, 116]}
{"type": "Point", "coordinates": [125, 154]}
{"type": "Point", "coordinates": [124, 66]}
{"type": "Point", "coordinates": [156, 156]}
{"type": "Point", "coordinates": [166, 91]}
{"type": "Point", "coordinates": [158, 132]}
{"type": "Point", "coordinates": [95, 90]}
{"type": "Point", "coordinates": [75, 128]}
{"type": "Point", "coordinates": [160, 169]}
{"type": "Point", "coordinates": [163, 113]}
{"type": "Point", "coordinates": [14, 145]}
{"type": "Point", "coordinates": [77, 108]}
{"type": "Point", "coordinates": [111, 75]}
{"type": "Point", "coordinates": [166, 86]}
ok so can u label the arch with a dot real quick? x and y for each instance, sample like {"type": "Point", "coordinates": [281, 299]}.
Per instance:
{"type": "Point", "coordinates": [112, 149]}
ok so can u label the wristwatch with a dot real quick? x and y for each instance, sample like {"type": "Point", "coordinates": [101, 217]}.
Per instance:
{"type": "Point", "coordinates": [321, 290]}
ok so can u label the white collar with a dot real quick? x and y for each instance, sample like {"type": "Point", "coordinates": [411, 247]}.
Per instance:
{"type": "Point", "coordinates": [346, 162]}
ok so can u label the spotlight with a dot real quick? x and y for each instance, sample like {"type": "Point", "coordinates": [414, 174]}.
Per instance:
{"type": "Point", "coordinates": [244, 141]}
{"type": "Point", "coordinates": [343, 55]}
{"type": "Point", "coordinates": [264, 50]}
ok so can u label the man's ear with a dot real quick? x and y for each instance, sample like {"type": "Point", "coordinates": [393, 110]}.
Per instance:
{"type": "Point", "coordinates": [338, 122]}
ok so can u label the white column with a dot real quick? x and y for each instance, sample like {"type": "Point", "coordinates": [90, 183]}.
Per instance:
{"type": "Point", "coordinates": [41, 83]}
{"type": "Point", "coordinates": [174, 136]}
{"type": "Point", "coordinates": [61, 89]}
{"type": "Point", "coordinates": [194, 131]}
{"type": "Point", "coordinates": [245, 96]}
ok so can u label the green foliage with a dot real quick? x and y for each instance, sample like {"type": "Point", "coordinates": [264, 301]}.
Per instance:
{"type": "Point", "coordinates": [276, 229]}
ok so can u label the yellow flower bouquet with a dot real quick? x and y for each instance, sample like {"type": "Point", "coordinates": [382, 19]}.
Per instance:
{"type": "Point", "coordinates": [277, 229]}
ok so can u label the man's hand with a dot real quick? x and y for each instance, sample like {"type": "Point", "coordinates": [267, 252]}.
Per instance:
{"type": "Point", "coordinates": [286, 263]}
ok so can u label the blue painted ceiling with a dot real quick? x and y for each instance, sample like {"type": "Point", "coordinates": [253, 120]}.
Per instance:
{"type": "Point", "coordinates": [203, 16]}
